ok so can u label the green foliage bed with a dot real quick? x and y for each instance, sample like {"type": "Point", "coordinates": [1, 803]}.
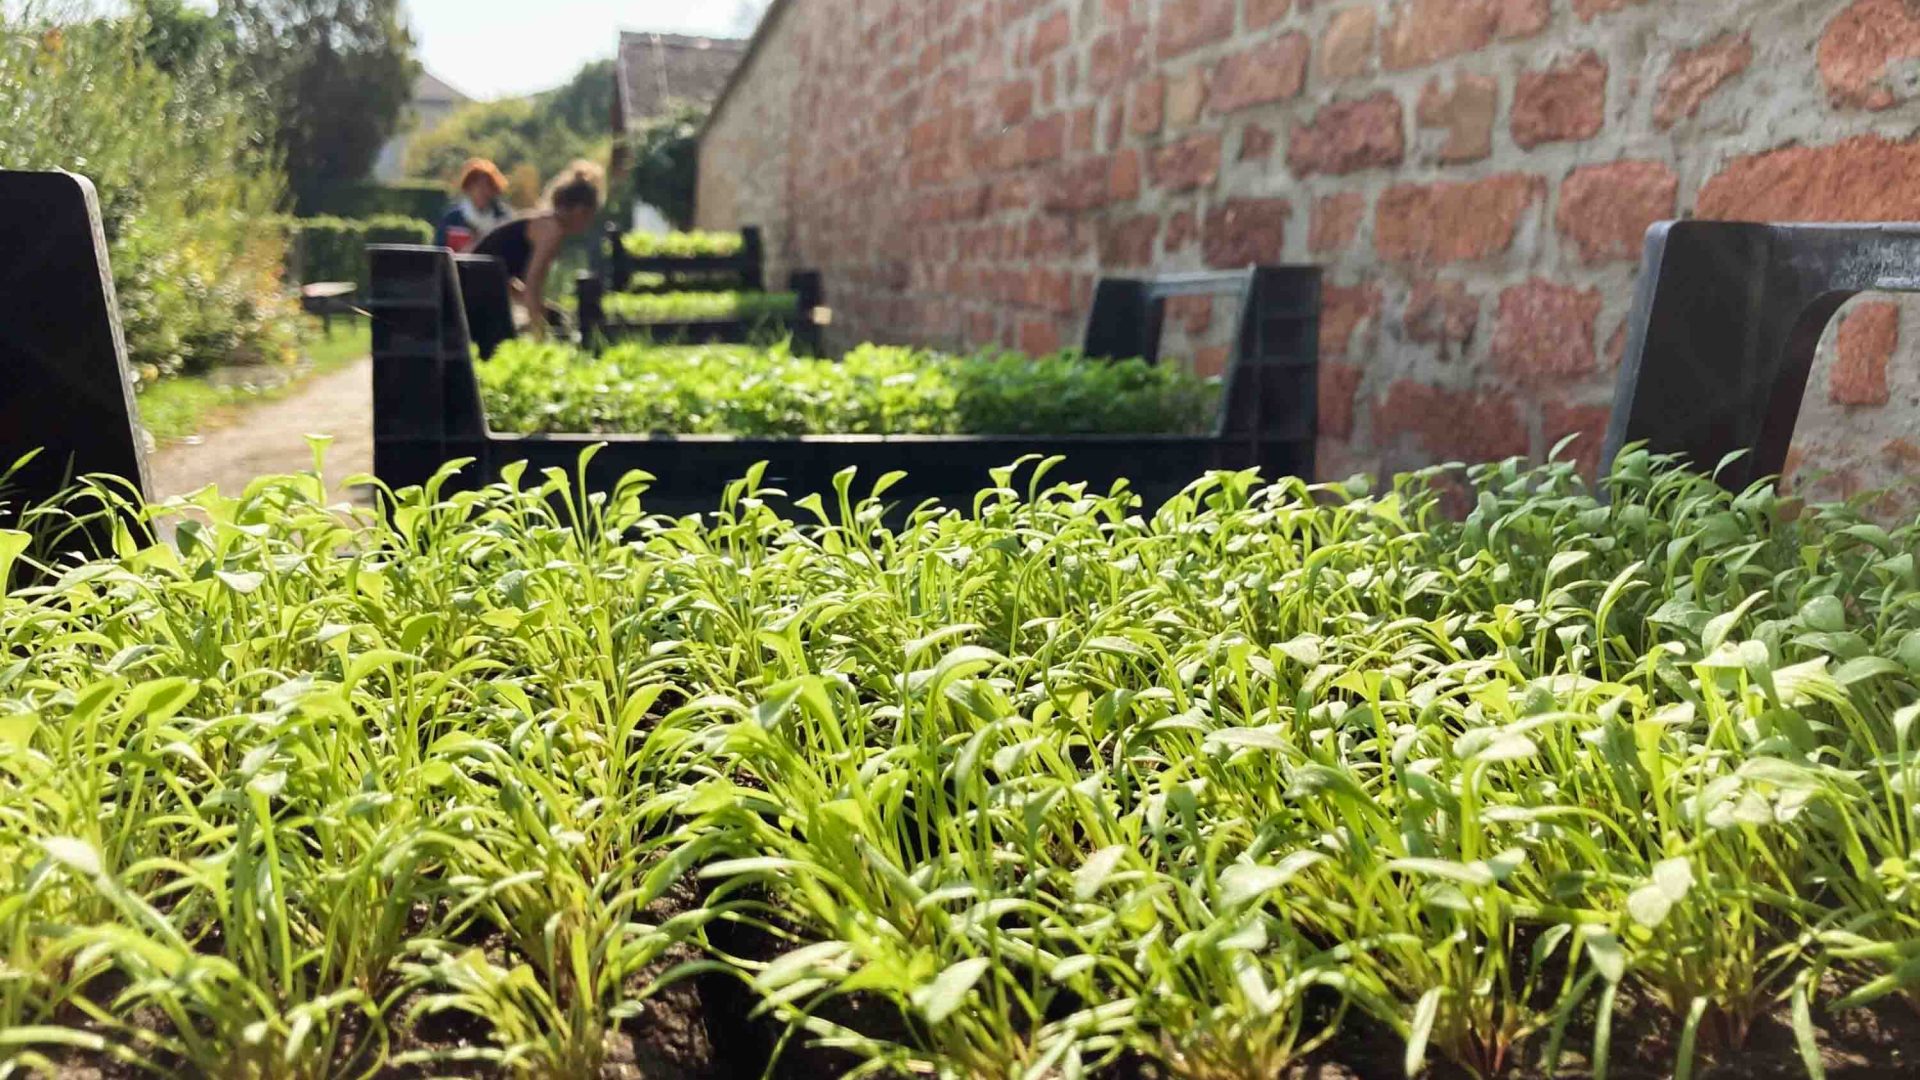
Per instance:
{"type": "Point", "coordinates": [682, 245]}
{"type": "Point", "coordinates": [767, 391]}
{"type": "Point", "coordinates": [688, 307]}
{"type": "Point", "coordinates": [1050, 787]}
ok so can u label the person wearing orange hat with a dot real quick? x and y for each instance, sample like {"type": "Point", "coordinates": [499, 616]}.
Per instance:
{"type": "Point", "coordinates": [480, 209]}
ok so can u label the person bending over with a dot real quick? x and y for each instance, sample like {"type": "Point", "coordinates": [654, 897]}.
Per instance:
{"type": "Point", "coordinates": [528, 245]}
{"type": "Point", "coordinates": [480, 209]}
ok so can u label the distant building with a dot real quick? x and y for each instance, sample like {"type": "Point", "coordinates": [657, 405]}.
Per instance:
{"type": "Point", "coordinates": [433, 101]}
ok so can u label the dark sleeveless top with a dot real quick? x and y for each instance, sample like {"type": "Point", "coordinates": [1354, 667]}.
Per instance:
{"type": "Point", "coordinates": [511, 245]}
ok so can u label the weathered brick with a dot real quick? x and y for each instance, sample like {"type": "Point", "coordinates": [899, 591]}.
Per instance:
{"type": "Point", "coordinates": [1128, 242]}
{"type": "Point", "coordinates": [1015, 101]}
{"type": "Point", "coordinates": [1866, 178]}
{"type": "Point", "coordinates": [1465, 112]}
{"type": "Point", "coordinates": [1869, 333]}
{"type": "Point", "coordinates": [1588, 422]}
{"type": "Point", "coordinates": [1192, 162]}
{"type": "Point", "coordinates": [1194, 314]}
{"type": "Point", "coordinates": [1256, 142]}
{"type": "Point", "coordinates": [1563, 103]}
{"type": "Point", "coordinates": [1243, 232]}
{"type": "Point", "coordinates": [1266, 12]}
{"type": "Point", "coordinates": [1441, 312]}
{"type": "Point", "coordinates": [1336, 221]}
{"type": "Point", "coordinates": [1183, 228]}
{"type": "Point", "coordinates": [1427, 31]}
{"type": "Point", "coordinates": [1339, 385]}
{"type": "Point", "coordinates": [1456, 221]}
{"type": "Point", "coordinates": [1348, 136]}
{"type": "Point", "coordinates": [1605, 209]}
{"type": "Point", "coordinates": [1186, 25]}
{"type": "Point", "coordinates": [1115, 57]}
{"type": "Point", "coordinates": [1859, 45]}
{"type": "Point", "coordinates": [1696, 73]}
{"type": "Point", "coordinates": [1544, 331]}
{"type": "Point", "coordinates": [1589, 10]}
{"type": "Point", "coordinates": [1343, 310]}
{"type": "Point", "coordinates": [1039, 337]}
{"type": "Point", "coordinates": [1123, 177]}
{"type": "Point", "coordinates": [1187, 97]}
{"type": "Point", "coordinates": [1346, 46]}
{"type": "Point", "coordinates": [1456, 425]}
{"type": "Point", "coordinates": [1054, 33]}
{"type": "Point", "coordinates": [1210, 361]}
{"type": "Point", "coordinates": [1270, 71]}
{"type": "Point", "coordinates": [1146, 106]}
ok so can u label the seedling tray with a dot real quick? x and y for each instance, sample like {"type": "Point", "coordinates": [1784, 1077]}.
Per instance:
{"type": "Point", "coordinates": [745, 269]}
{"type": "Point", "coordinates": [804, 327]}
{"type": "Point", "coordinates": [427, 407]}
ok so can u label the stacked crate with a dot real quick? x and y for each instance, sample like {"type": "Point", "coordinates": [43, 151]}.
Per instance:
{"type": "Point", "coordinates": [736, 279]}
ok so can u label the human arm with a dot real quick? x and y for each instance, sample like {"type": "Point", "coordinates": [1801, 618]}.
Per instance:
{"type": "Point", "coordinates": [545, 238]}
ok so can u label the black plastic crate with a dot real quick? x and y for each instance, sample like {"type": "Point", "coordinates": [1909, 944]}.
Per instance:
{"type": "Point", "coordinates": [805, 327]}
{"type": "Point", "coordinates": [428, 410]}
{"type": "Point", "coordinates": [744, 271]}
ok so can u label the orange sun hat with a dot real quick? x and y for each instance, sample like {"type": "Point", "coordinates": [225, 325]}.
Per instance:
{"type": "Point", "coordinates": [482, 167]}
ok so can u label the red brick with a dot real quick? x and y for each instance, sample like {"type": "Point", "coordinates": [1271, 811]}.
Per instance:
{"type": "Point", "coordinates": [1338, 385]}
{"type": "Point", "coordinates": [1564, 103]}
{"type": "Point", "coordinates": [1193, 162]}
{"type": "Point", "coordinates": [1589, 422]}
{"type": "Point", "coordinates": [1210, 362]}
{"type": "Point", "coordinates": [1465, 113]}
{"type": "Point", "coordinates": [1344, 309]}
{"type": "Point", "coordinates": [1187, 97]}
{"type": "Point", "coordinates": [1123, 178]}
{"type": "Point", "coordinates": [1617, 346]}
{"type": "Point", "coordinates": [1859, 45]}
{"type": "Point", "coordinates": [1545, 332]}
{"type": "Point", "coordinates": [1589, 10]}
{"type": "Point", "coordinates": [1186, 25]}
{"type": "Point", "coordinates": [1015, 101]}
{"type": "Point", "coordinates": [1193, 313]}
{"type": "Point", "coordinates": [1182, 230]}
{"type": "Point", "coordinates": [1696, 73]}
{"type": "Point", "coordinates": [1115, 57]}
{"type": "Point", "coordinates": [1271, 71]}
{"type": "Point", "coordinates": [1866, 178]}
{"type": "Point", "coordinates": [1146, 106]}
{"type": "Point", "coordinates": [1256, 142]}
{"type": "Point", "coordinates": [1346, 46]}
{"type": "Point", "coordinates": [1046, 138]}
{"type": "Point", "coordinates": [1458, 425]}
{"type": "Point", "coordinates": [1441, 313]}
{"type": "Point", "coordinates": [1242, 232]}
{"type": "Point", "coordinates": [1348, 136]}
{"type": "Point", "coordinates": [1427, 31]}
{"type": "Point", "coordinates": [1336, 221]}
{"type": "Point", "coordinates": [1453, 221]}
{"type": "Point", "coordinates": [1868, 336]}
{"type": "Point", "coordinates": [1049, 289]}
{"type": "Point", "coordinates": [1266, 12]}
{"type": "Point", "coordinates": [1039, 338]}
{"type": "Point", "coordinates": [1128, 242]}
{"type": "Point", "coordinates": [1605, 209]}
{"type": "Point", "coordinates": [1053, 34]}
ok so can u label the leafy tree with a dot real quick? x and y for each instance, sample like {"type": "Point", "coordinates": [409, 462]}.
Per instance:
{"type": "Point", "coordinates": [666, 159]}
{"type": "Point", "coordinates": [530, 138]}
{"type": "Point", "coordinates": [337, 75]}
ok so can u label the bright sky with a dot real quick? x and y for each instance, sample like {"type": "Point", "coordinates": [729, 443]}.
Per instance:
{"type": "Point", "coordinates": [502, 48]}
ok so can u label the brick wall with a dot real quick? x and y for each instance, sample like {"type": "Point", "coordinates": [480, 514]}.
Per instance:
{"type": "Point", "coordinates": [1475, 175]}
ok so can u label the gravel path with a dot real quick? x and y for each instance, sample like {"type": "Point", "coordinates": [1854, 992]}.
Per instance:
{"type": "Point", "coordinates": [271, 438]}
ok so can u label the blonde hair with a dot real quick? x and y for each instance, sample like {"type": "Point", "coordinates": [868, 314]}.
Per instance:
{"type": "Point", "coordinates": [578, 185]}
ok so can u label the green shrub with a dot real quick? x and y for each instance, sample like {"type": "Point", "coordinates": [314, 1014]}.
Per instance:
{"type": "Point", "coordinates": [1051, 784]}
{"type": "Point", "coordinates": [745, 390]}
{"type": "Point", "coordinates": [334, 249]}
{"type": "Point", "coordinates": [421, 199]}
{"type": "Point", "coordinates": [640, 308]}
{"type": "Point", "coordinates": [682, 245]}
{"type": "Point", "coordinates": [177, 156]}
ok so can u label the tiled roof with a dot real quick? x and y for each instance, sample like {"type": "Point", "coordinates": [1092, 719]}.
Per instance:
{"type": "Point", "coordinates": [658, 69]}
{"type": "Point", "coordinates": [429, 88]}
